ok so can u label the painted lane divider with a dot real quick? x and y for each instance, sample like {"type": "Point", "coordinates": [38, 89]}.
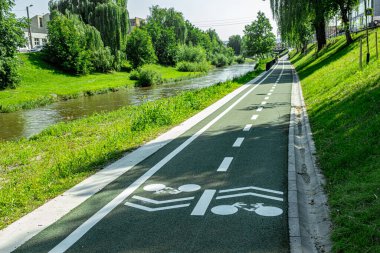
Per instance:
{"type": "Point", "coordinates": [259, 109]}
{"type": "Point", "coordinates": [254, 117]}
{"type": "Point", "coordinates": [269, 94]}
{"type": "Point", "coordinates": [238, 142]}
{"type": "Point", "coordinates": [225, 164]}
{"type": "Point", "coordinates": [264, 103]}
{"type": "Point", "coordinates": [72, 238]}
{"type": "Point", "coordinates": [203, 203]}
{"type": "Point", "coordinates": [247, 128]}
{"type": "Point", "coordinates": [266, 98]}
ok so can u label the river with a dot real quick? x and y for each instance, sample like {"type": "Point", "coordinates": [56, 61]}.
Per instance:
{"type": "Point", "coordinates": [30, 122]}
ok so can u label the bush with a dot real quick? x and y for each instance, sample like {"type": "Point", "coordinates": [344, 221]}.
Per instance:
{"type": "Point", "coordinates": [134, 75]}
{"type": "Point", "coordinates": [9, 76]}
{"type": "Point", "coordinates": [185, 66]}
{"type": "Point", "coordinates": [140, 49]}
{"type": "Point", "coordinates": [240, 59]}
{"type": "Point", "coordinates": [149, 76]}
{"type": "Point", "coordinates": [76, 47]}
{"type": "Point", "coordinates": [220, 60]}
{"type": "Point", "coordinates": [190, 54]}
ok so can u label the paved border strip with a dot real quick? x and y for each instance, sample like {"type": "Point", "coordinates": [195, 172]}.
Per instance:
{"type": "Point", "coordinates": [33, 223]}
{"type": "Point", "coordinates": [309, 221]}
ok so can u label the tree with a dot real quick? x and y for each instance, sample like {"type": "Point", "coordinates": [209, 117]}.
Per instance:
{"type": "Point", "coordinates": [235, 42]}
{"type": "Point", "coordinates": [75, 46]}
{"type": "Point", "coordinates": [11, 37]}
{"type": "Point", "coordinates": [109, 17]}
{"type": "Point", "coordinates": [258, 37]}
{"type": "Point", "coordinates": [345, 7]}
{"type": "Point", "coordinates": [140, 49]}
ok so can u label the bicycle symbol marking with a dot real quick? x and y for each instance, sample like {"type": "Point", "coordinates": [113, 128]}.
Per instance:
{"type": "Point", "coordinates": [207, 197]}
{"type": "Point", "coordinates": [258, 208]}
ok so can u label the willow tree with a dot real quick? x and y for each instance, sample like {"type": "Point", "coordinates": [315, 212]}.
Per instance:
{"type": "Point", "coordinates": [109, 17]}
{"type": "Point", "coordinates": [293, 15]}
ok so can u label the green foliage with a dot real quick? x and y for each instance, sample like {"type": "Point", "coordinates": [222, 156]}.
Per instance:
{"type": "Point", "coordinates": [240, 59]}
{"type": "Point", "coordinates": [223, 58]}
{"type": "Point", "coordinates": [140, 49]}
{"type": "Point", "coordinates": [259, 39]}
{"type": "Point", "coordinates": [185, 66]}
{"type": "Point", "coordinates": [190, 54]}
{"type": "Point", "coordinates": [109, 17]}
{"type": "Point", "coordinates": [235, 42]}
{"type": "Point", "coordinates": [75, 46]}
{"type": "Point", "coordinates": [134, 75]}
{"type": "Point", "coordinates": [149, 76]}
{"type": "Point", "coordinates": [11, 37]}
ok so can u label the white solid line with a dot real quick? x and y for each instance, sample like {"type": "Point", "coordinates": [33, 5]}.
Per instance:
{"type": "Point", "coordinates": [266, 98]}
{"type": "Point", "coordinates": [247, 128]}
{"type": "Point", "coordinates": [225, 164]}
{"type": "Point", "coordinates": [203, 203]}
{"type": "Point", "coordinates": [149, 209]}
{"type": "Point", "coordinates": [250, 194]}
{"type": "Point", "coordinates": [238, 142]}
{"type": "Point", "coordinates": [98, 216]}
{"type": "Point", "coordinates": [264, 103]}
{"type": "Point", "coordinates": [157, 202]}
{"type": "Point", "coordinates": [251, 188]}
{"type": "Point", "coordinates": [259, 109]}
{"type": "Point", "coordinates": [254, 117]}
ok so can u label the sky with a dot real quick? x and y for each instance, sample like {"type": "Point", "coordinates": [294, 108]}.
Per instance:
{"type": "Point", "coordinates": [227, 17]}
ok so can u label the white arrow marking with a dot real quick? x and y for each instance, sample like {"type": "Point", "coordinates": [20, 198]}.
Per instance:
{"type": "Point", "coordinates": [249, 194]}
{"type": "Point", "coordinates": [148, 209]}
{"type": "Point", "coordinates": [251, 188]}
{"type": "Point", "coordinates": [157, 202]}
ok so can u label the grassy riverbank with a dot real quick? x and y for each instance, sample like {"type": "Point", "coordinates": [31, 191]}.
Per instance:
{"type": "Point", "coordinates": [43, 84]}
{"type": "Point", "coordinates": [36, 170]}
{"type": "Point", "coordinates": [344, 107]}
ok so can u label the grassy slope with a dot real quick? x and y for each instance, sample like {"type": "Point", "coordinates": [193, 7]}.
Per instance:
{"type": "Point", "coordinates": [36, 170]}
{"type": "Point", "coordinates": [40, 81]}
{"type": "Point", "coordinates": [344, 108]}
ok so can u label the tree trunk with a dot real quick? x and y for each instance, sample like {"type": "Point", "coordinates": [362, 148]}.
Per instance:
{"type": "Point", "coordinates": [346, 22]}
{"type": "Point", "coordinates": [320, 31]}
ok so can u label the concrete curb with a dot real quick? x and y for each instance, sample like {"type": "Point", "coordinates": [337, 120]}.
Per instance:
{"type": "Point", "coordinates": [309, 219]}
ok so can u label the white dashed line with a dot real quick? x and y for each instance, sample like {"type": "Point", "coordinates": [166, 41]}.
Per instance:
{"type": "Point", "coordinates": [264, 103]}
{"type": "Point", "coordinates": [270, 94]}
{"type": "Point", "coordinates": [225, 164]}
{"type": "Point", "coordinates": [259, 109]}
{"type": "Point", "coordinates": [266, 98]}
{"type": "Point", "coordinates": [247, 128]}
{"type": "Point", "coordinates": [238, 142]}
{"type": "Point", "coordinates": [254, 117]}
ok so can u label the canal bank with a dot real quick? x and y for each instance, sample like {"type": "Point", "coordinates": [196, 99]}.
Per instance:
{"type": "Point", "coordinates": [38, 169]}
{"type": "Point", "coordinates": [26, 123]}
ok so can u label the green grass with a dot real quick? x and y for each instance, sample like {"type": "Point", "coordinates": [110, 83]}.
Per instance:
{"type": "Point", "coordinates": [42, 84]}
{"type": "Point", "coordinates": [36, 170]}
{"type": "Point", "coordinates": [343, 103]}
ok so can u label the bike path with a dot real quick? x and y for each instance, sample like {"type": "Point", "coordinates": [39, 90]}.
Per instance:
{"type": "Point", "coordinates": [223, 192]}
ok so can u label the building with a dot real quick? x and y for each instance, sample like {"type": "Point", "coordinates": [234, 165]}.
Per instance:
{"type": "Point", "coordinates": [357, 17]}
{"type": "Point", "coordinates": [136, 22]}
{"type": "Point", "coordinates": [39, 31]}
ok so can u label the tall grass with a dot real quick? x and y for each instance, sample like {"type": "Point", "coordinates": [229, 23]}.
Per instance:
{"type": "Point", "coordinates": [344, 107]}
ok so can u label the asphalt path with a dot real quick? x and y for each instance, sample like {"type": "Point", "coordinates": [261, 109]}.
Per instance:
{"type": "Point", "coordinates": [220, 187]}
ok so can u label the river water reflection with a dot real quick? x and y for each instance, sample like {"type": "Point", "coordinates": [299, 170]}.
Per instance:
{"type": "Point", "coordinates": [29, 122]}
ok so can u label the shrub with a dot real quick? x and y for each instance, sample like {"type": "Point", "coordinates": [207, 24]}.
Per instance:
{"type": "Point", "coordinates": [134, 75]}
{"type": "Point", "coordinates": [140, 49]}
{"type": "Point", "coordinates": [75, 46]}
{"type": "Point", "coordinates": [9, 75]}
{"type": "Point", "coordinates": [220, 60]}
{"type": "Point", "coordinates": [149, 76]}
{"type": "Point", "coordinates": [240, 59]}
{"type": "Point", "coordinates": [185, 66]}
{"type": "Point", "coordinates": [190, 54]}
